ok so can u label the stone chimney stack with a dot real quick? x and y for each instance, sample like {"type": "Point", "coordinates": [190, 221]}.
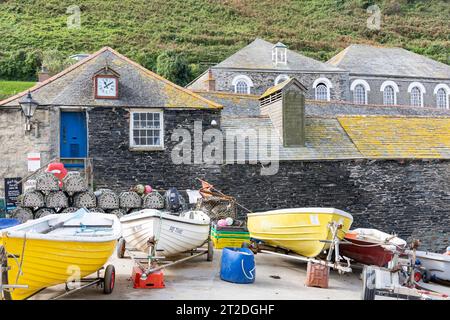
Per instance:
{"type": "Point", "coordinates": [210, 82]}
{"type": "Point", "coordinates": [43, 75]}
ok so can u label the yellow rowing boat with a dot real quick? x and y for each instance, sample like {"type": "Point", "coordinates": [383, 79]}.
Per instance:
{"type": "Point", "coordinates": [299, 229]}
{"type": "Point", "coordinates": [57, 249]}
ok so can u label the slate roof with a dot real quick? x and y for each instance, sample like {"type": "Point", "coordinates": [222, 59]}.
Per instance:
{"type": "Point", "coordinates": [258, 55]}
{"type": "Point", "coordinates": [370, 60]}
{"type": "Point", "coordinates": [138, 87]}
{"type": "Point", "coordinates": [399, 137]}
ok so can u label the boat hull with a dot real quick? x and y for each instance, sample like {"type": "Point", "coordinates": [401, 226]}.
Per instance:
{"type": "Point", "coordinates": [174, 234]}
{"type": "Point", "coordinates": [373, 255]}
{"type": "Point", "coordinates": [47, 263]}
{"type": "Point", "coordinates": [437, 264]}
{"type": "Point", "coordinates": [299, 230]}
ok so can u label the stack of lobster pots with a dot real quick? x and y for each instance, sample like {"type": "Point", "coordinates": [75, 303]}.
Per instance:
{"type": "Point", "coordinates": [48, 195]}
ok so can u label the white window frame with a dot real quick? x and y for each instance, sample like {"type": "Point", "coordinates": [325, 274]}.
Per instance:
{"type": "Point", "coordinates": [366, 86]}
{"type": "Point", "coordinates": [244, 78]}
{"type": "Point", "coordinates": [446, 89]}
{"type": "Point", "coordinates": [392, 84]}
{"type": "Point", "coordinates": [422, 90]}
{"type": "Point", "coordinates": [327, 83]}
{"type": "Point", "coordinates": [281, 78]}
{"type": "Point", "coordinates": [133, 146]}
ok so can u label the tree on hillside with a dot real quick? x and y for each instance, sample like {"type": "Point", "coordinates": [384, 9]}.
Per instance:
{"type": "Point", "coordinates": [20, 65]}
{"type": "Point", "coordinates": [173, 67]}
{"type": "Point", "coordinates": [55, 61]}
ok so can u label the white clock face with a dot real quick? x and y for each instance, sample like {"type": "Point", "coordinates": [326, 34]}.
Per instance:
{"type": "Point", "coordinates": [106, 87]}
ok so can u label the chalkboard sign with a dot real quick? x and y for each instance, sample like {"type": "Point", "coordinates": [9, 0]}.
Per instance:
{"type": "Point", "coordinates": [13, 189]}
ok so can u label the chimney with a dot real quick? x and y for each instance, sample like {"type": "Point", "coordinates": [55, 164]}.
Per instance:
{"type": "Point", "coordinates": [210, 82]}
{"type": "Point", "coordinates": [285, 105]}
{"type": "Point", "coordinates": [43, 74]}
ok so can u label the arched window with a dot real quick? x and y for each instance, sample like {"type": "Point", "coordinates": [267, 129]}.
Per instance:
{"type": "Point", "coordinates": [359, 94]}
{"type": "Point", "coordinates": [389, 96]}
{"type": "Point", "coordinates": [360, 89]}
{"type": "Point", "coordinates": [322, 92]}
{"type": "Point", "coordinates": [281, 78]}
{"type": "Point", "coordinates": [416, 97]}
{"type": "Point", "coordinates": [241, 87]}
{"type": "Point", "coordinates": [242, 84]}
{"type": "Point", "coordinates": [441, 99]}
{"type": "Point", "coordinates": [416, 90]}
{"type": "Point", "coordinates": [442, 92]}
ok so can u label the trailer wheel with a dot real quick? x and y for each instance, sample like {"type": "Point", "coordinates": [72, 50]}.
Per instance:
{"type": "Point", "coordinates": [109, 280]}
{"type": "Point", "coordinates": [121, 248]}
{"type": "Point", "coordinates": [368, 292]}
{"type": "Point", "coordinates": [4, 279]}
{"type": "Point", "coordinates": [210, 254]}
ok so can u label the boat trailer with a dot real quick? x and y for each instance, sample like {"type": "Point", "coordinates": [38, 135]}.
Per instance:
{"type": "Point", "coordinates": [147, 272]}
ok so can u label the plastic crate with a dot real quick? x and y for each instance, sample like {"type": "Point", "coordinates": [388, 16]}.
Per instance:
{"type": "Point", "coordinates": [229, 236]}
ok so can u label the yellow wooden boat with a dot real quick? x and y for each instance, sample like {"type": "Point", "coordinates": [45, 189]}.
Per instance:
{"type": "Point", "coordinates": [300, 229]}
{"type": "Point", "coordinates": [56, 249]}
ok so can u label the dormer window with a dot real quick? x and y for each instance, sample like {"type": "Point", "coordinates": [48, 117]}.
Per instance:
{"type": "Point", "coordinates": [279, 53]}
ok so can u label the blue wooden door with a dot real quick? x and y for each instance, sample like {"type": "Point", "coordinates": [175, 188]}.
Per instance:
{"type": "Point", "coordinates": [73, 138]}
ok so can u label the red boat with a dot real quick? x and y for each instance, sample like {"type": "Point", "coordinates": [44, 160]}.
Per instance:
{"type": "Point", "coordinates": [371, 246]}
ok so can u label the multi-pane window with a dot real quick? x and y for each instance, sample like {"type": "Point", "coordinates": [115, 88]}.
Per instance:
{"type": "Point", "coordinates": [359, 94]}
{"type": "Point", "coordinates": [146, 129]}
{"type": "Point", "coordinates": [416, 97]}
{"type": "Point", "coordinates": [322, 92]}
{"type": "Point", "coordinates": [389, 96]}
{"type": "Point", "coordinates": [242, 87]}
{"type": "Point", "coordinates": [441, 99]}
{"type": "Point", "coordinates": [281, 78]}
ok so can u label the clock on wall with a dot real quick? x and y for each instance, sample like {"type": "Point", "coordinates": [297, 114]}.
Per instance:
{"type": "Point", "coordinates": [106, 86]}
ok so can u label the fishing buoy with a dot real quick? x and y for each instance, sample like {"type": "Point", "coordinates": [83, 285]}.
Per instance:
{"type": "Point", "coordinates": [148, 189]}
{"type": "Point", "coordinates": [229, 221]}
{"type": "Point", "coordinates": [222, 223]}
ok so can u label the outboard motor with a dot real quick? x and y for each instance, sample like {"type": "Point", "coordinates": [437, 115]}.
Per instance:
{"type": "Point", "coordinates": [174, 201]}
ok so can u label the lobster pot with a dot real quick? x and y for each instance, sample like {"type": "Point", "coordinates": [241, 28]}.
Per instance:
{"type": "Point", "coordinates": [85, 199]}
{"type": "Point", "coordinates": [217, 208]}
{"type": "Point", "coordinates": [97, 210]}
{"type": "Point", "coordinates": [33, 199]}
{"type": "Point", "coordinates": [108, 200]}
{"type": "Point", "coordinates": [22, 214]}
{"type": "Point", "coordinates": [70, 210]}
{"type": "Point", "coordinates": [29, 185]}
{"type": "Point", "coordinates": [73, 183]}
{"type": "Point", "coordinates": [130, 200]}
{"type": "Point", "coordinates": [56, 199]}
{"type": "Point", "coordinates": [43, 212]}
{"type": "Point", "coordinates": [118, 212]}
{"type": "Point", "coordinates": [47, 182]}
{"type": "Point", "coordinates": [153, 200]}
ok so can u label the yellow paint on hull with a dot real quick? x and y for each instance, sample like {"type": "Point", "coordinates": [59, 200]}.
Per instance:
{"type": "Point", "coordinates": [297, 230]}
{"type": "Point", "coordinates": [46, 263]}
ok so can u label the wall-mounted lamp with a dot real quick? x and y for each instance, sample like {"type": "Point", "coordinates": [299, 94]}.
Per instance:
{"type": "Point", "coordinates": [28, 106]}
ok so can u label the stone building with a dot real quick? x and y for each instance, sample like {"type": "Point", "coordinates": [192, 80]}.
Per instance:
{"type": "Point", "coordinates": [389, 166]}
{"type": "Point", "coordinates": [360, 74]}
{"type": "Point", "coordinates": [394, 76]}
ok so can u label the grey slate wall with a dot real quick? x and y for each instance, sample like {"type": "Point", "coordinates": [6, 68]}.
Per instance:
{"type": "Point", "coordinates": [264, 80]}
{"type": "Point", "coordinates": [411, 199]}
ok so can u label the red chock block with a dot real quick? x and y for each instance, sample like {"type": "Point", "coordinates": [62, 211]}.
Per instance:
{"type": "Point", "coordinates": [154, 280]}
{"type": "Point", "coordinates": [317, 275]}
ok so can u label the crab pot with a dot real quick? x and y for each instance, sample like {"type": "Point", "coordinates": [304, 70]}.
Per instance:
{"type": "Point", "coordinates": [33, 199]}
{"type": "Point", "coordinates": [85, 199]}
{"type": "Point", "coordinates": [47, 182]}
{"type": "Point", "coordinates": [70, 210]}
{"type": "Point", "coordinates": [97, 210]}
{"type": "Point", "coordinates": [153, 200]}
{"type": "Point", "coordinates": [108, 200]}
{"type": "Point", "coordinates": [56, 199]}
{"type": "Point", "coordinates": [22, 214]}
{"type": "Point", "coordinates": [130, 200]}
{"type": "Point", "coordinates": [73, 183]}
{"type": "Point", "coordinates": [43, 212]}
{"type": "Point", "coordinates": [118, 212]}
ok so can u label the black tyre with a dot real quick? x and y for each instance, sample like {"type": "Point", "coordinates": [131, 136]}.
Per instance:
{"type": "Point", "coordinates": [368, 279]}
{"type": "Point", "coordinates": [210, 254]}
{"type": "Point", "coordinates": [121, 248]}
{"type": "Point", "coordinates": [426, 276]}
{"type": "Point", "coordinates": [4, 279]}
{"type": "Point", "coordinates": [109, 280]}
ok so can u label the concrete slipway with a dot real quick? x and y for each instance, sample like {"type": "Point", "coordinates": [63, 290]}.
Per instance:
{"type": "Point", "coordinates": [200, 280]}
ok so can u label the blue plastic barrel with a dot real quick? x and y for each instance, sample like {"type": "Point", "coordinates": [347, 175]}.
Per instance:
{"type": "Point", "coordinates": [8, 223]}
{"type": "Point", "coordinates": [237, 265]}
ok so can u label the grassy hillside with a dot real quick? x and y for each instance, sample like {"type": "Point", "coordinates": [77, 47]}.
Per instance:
{"type": "Point", "coordinates": [10, 88]}
{"type": "Point", "coordinates": [207, 31]}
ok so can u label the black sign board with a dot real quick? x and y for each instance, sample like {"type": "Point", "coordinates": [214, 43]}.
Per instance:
{"type": "Point", "coordinates": [13, 189]}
